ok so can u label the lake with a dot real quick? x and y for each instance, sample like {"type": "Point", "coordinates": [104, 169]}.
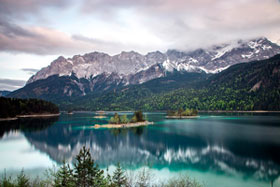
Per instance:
{"type": "Point", "coordinates": [215, 149]}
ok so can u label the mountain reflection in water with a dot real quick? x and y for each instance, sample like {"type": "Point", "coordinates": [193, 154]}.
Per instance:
{"type": "Point", "coordinates": [222, 144]}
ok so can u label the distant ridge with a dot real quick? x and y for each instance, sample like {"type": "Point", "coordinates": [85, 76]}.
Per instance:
{"type": "Point", "coordinates": [243, 87]}
{"type": "Point", "coordinates": [133, 68]}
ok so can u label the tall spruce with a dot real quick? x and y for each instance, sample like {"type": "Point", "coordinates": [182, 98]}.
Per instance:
{"type": "Point", "coordinates": [119, 178]}
{"type": "Point", "coordinates": [22, 180]}
{"type": "Point", "coordinates": [137, 117]}
{"type": "Point", "coordinates": [64, 176]}
{"type": "Point", "coordinates": [87, 173]}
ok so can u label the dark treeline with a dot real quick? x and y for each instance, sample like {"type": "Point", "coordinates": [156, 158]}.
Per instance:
{"type": "Point", "coordinates": [86, 173]}
{"type": "Point", "coordinates": [11, 107]}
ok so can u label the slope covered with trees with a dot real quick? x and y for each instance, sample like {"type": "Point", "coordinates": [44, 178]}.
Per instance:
{"type": "Point", "coordinates": [11, 107]}
{"type": "Point", "coordinates": [246, 86]}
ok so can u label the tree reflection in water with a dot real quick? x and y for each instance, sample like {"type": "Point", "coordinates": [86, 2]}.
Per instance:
{"type": "Point", "coordinates": [176, 145]}
{"type": "Point", "coordinates": [26, 124]}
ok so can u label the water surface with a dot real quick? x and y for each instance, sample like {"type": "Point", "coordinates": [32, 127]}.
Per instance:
{"type": "Point", "coordinates": [216, 149]}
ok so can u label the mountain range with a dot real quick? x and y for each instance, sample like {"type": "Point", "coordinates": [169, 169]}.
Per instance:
{"type": "Point", "coordinates": [93, 76]}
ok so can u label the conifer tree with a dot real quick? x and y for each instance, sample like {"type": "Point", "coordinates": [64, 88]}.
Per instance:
{"type": "Point", "coordinates": [64, 176]}
{"type": "Point", "coordinates": [87, 173]}
{"type": "Point", "coordinates": [123, 119]}
{"type": "Point", "coordinates": [119, 178]}
{"type": "Point", "coordinates": [22, 180]}
{"type": "Point", "coordinates": [6, 181]}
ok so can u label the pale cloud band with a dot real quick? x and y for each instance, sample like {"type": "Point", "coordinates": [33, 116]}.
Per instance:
{"type": "Point", "coordinates": [30, 71]}
{"type": "Point", "coordinates": [11, 84]}
{"type": "Point", "coordinates": [34, 32]}
{"type": "Point", "coordinates": [181, 24]}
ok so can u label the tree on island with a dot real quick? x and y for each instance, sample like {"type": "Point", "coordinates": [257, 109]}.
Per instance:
{"type": "Point", "coordinates": [137, 117]}
{"type": "Point", "coordinates": [181, 112]}
{"type": "Point", "coordinates": [70, 111]}
{"type": "Point", "coordinates": [115, 119]}
{"type": "Point", "coordinates": [124, 119]}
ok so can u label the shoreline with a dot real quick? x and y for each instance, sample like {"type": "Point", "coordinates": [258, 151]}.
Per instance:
{"type": "Point", "coordinates": [181, 117]}
{"type": "Point", "coordinates": [207, 111]}
{"type": "Point", "coordinates": [37, 115]}
{"type": "Point", "coordinates": [239, 111]}
{"type": "Point", "coordinates": [30, 116]}
{"type": "Point", "coordinates": [8, 119]}
{"type": "Point", "coordinates": [126, 125]}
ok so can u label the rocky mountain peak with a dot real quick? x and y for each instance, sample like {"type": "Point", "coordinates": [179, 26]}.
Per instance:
{"type": "Point", "coordinates": [129, 65]}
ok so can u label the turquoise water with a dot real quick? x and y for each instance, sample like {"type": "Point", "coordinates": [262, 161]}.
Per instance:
{"type": "Point", "coordinates": [216, 149]}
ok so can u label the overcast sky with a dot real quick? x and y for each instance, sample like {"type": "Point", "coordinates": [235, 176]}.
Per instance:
{"type": "Point", "coordinates": [35, 32]}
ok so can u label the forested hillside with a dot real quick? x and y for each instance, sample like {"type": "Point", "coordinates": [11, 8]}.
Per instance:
{"type": "Point", "coordinates": [246, 86]}
{"type": "Point", "coordinates": [11, 107]}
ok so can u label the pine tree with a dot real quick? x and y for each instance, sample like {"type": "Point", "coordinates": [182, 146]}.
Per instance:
{"type": "Point", "coordinates": [123, 119]}
{"type": "Point", "coordinates": [133, 119]}
{"type": "Point", "coordinates": [87, 173]}
{"type": "Point", "coordinates": [119, 178]}
{"type": "Point", "coordinates": [115, 119]}
{"type": "Point", "coordinates": [22, 180]}
{"type": "Point", "coordinates": [137, 117]}
{"type": "Point", "coordinates": [64, 177]}
{"type": "Point", "coordinates": [6, 181]}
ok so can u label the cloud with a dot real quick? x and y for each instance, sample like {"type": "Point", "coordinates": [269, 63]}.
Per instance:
{"type": "Point", "coordinates": [17, 37]}
{"type": "Point", "coordinates": [86, 39]}
{"type": "Point", "coordinates": [30, 71]}
{"type": "Point", "coordinates": [141, 25]}
{"type": "Point", "coordinates": [14, 9]}
{"type": "Point", "coordinates": [186, 24]}
{"type": "Point", "coordinates": [11, 84]}
{"type": "Point", "coordinates": [38, 40]}
{"type": "Point", "coordinates": [46, 41]}
{"type": "Point", "coordinates": [111, 46]}
{"type": "Point", "coordinates": [11, 30]}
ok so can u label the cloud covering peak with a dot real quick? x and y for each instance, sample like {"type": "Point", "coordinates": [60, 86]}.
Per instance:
{"type": "Point", "coordinates": [69, 27]}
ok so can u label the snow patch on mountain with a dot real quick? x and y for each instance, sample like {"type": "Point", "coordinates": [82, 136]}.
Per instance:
{"type": "Point", "coordinates": [219, 51]}
{"type": "Point", "coordinates": [134, 68]}
{"type": "Point", "coordinates": [214, 71]}
{"type": "Point", "coordinates": [168, 66]}
{"type": "Point", "coordinates": [248, 55]}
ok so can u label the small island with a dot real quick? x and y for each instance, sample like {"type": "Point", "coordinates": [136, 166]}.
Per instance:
{"type": "Point", "coordinates": [121, 121]}
{"type": "Point", "coordinates": [182, 114]}
{"type": "Point", "coordinates": [70, 112]}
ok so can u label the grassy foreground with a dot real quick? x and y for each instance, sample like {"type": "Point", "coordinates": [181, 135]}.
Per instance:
{"type": "Point", "coordinates": [86, 172]}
